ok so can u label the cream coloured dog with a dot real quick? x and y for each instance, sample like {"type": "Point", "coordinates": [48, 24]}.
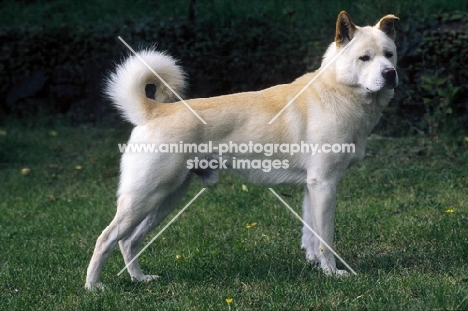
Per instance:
{"type": "Point", "coordinates": [341, 106]}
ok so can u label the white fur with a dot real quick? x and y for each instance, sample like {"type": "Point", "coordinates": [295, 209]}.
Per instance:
{"type": "Point", "coordinates": [342, 106]}
{"type": "Point", "coordinates": [126, 86]}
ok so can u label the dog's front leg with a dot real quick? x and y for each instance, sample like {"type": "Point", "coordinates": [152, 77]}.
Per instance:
{"type": "Point", "coordinates": [321, 214]}
{"type": "Point", "coordinates": [309, 242]}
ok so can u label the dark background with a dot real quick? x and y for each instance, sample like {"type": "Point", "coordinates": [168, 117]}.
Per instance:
{"type": "Point", "coordinates": [56, 54]}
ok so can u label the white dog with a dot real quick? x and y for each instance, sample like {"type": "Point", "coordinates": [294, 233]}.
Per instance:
{"type": "Point", "coordinates": [341, 106]}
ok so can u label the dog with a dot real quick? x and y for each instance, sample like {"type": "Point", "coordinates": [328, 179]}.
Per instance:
{"type": "Point", "coordinates": [339, 103]}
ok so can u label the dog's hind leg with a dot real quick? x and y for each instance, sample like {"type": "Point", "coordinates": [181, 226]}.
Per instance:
{"type": "Point", "coordinates": [122, 224]}
{"type": "Point", "coordinates": [142, 189]}
{"type": "Point", "coordinates": [130, 244]}
{"type": "Point", "coordinates": [131, 210]}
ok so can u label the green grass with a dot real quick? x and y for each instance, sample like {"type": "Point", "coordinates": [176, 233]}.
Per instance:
{"type": "Point", "coordinates": [392, 226]}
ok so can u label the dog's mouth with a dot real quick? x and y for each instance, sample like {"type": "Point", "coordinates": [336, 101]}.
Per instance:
{"type": "Point", "coordinates": [389, 86]}
{"type": "Point", "coordinates": [371, 91]}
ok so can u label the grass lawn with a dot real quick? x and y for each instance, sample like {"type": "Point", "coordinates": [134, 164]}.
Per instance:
{"type": "Point", "coordinates": [402, 224]}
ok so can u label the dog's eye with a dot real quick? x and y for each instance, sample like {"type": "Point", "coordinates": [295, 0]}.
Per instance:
{"type": "Point", "coordinates": [365, 58]}
{"type": "Point", "coordinates": [388, 54]}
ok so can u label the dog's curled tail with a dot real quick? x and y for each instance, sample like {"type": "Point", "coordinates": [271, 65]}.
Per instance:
{"type": "Point", "coordinates": [126, 87]}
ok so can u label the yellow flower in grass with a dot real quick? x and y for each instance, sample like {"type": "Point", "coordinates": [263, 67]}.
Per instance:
{"type": "Point", "coordinates": [449, 210]}
{"type": "Point", "coordinates": [178, 256]}
{"type": "Point", "coordinates": [229, 300]}
{"type": "Point", "coordinates": [251, 225]}
{"type": "Point", "coordinates": [25, 171]}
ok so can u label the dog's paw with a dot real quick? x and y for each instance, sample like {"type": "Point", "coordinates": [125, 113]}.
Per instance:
{"type": "Point", "coordinates": [94, 287]}
{"type": "Point", "coordinates": [310, 256]}
{"type": "Point", "coordinates": [341, 273]}
{"type": "Point", "coordinates": [144, 278]}
{"type": "Point", "coordinates": [336, 272]}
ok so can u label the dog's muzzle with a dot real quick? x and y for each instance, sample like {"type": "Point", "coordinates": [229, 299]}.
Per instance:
{"type": "Point", "coordinates": [390, 77]}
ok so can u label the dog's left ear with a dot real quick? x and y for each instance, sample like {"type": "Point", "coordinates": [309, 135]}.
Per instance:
{"type": "Point", "coordinates": [387, 25]}
{"type": "Point", "coordinates": [345, 29]}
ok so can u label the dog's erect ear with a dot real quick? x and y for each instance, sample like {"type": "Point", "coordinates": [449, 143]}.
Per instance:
{"type": "Point", "coordinates": [345, 29]}
{"type": "Point", "coordinates": [387, 25]}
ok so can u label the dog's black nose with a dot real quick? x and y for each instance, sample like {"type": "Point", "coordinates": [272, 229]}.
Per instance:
{"type": "Point", "coordinates": [389, 74]}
